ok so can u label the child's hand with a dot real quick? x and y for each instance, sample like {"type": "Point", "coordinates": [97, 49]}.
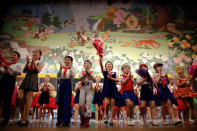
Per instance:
{"type": "Point", "coordinates": [28, 59]}
{"type": "Point", "coordinates": [109, 76]}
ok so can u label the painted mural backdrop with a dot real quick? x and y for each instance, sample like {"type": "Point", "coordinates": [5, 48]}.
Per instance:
{"type": "Point", "coordinates": [132, 32]}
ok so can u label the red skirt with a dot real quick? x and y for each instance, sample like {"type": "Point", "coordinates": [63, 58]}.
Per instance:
{"type": "Point", "coordinates": [35, 101]}
{"type": "Point", "coordinates": [52, 103]}
{"type": "Point", "coordinates": [184, 93]}
{"type": "Point", "coordinates": [181, 105]}
{"type": "Point", "coordinates": [103, 106]}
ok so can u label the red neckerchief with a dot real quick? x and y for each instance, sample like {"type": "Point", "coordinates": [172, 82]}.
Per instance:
{"type": "Point", "coordinates": [2, 59]}
{"type": "Point", "coordinates": [83, 73]}
{"type": "Point", "coordinates": [110, 73]}
{"type": "Point", "coordinates": [31, 67]}
{"type": "Point", "coordinates": [11, 63]}
{"type": "Point", "coordinates": [97, 87]}
{"type": "Point", "coordinates": [65, 69]}
{"type": "Point", "coordinates": [45, 87]}
{"type": "Point", "coordinates": [163, 81]}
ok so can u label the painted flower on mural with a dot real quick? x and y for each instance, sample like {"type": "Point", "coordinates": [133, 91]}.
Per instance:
{"type": "Point", "coordinates": [175, 39]}
{"type": "Point", "coordinates": [64, 53]}
{"type": "Point", "coordinates": [164, 58]}
{"type": "Point", "coordinates": [184, 46]}
{"type": "Point", "coordinates": [181, 56]}
{"type": "Point", "coordinates": [187, 59]}
{"type": "Point", "coordinates": [158, 56]}
{"type": "Point", "coordinates": [170, 44]}
{"type": "Point", "coordinates": [188, 37]}
{"type": "Point", "coordinates": [177, 60]}
{"type": "Point", "coordinates": [194, 56]}
{"type": "Point", "coordinates": [194, 48]}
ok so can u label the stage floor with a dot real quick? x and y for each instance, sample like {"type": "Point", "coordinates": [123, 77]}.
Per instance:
{"type": "Point", "coordinates": [52, 124]}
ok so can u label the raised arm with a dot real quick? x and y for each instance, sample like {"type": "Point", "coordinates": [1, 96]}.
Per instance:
{"type": "Point", "coordinates": [101, 65]}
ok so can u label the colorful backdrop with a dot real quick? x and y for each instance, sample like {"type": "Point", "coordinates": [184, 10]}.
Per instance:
{"type": "Point", "coordinates": [133, 32]}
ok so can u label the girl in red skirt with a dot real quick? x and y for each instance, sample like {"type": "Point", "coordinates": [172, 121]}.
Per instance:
{"type": "Point", "coordinates": [185, 93]}
{"type": "Point", "coordinates": [35, 105]}
{"type": "Point", "coordinates": [52, 102]}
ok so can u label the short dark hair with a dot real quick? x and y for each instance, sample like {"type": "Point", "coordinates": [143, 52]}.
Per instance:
{"type": "Point", "coordinates": [18, 54]}
{"type": "Point", "coordinates": [48, 76]}
{"type": "Point", "coordinates": [109, 62]}
{"type": "Point", "coordinates": [87, 61]}
{"type": "Point", "coordinates": [69, 58]}
{"type": "Point", "coordinates": [40, 52]}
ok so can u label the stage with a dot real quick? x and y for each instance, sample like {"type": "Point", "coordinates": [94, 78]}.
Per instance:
{"type": "Point", "coordinates": [52, 125]}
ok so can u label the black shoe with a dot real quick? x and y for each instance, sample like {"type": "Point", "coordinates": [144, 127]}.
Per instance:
{"type": "Point", "coordinates": [105, 121]}
{"type": "Point", "coordinates": [111, 123]}
{"type": "Point", "coordinates": [18, 122]}
{"type": "Point", "coordinates": [59, 123]}
{"type": "Point", "coordinates": [24, 124]}
{"type": "Point", "coordinates": [65, 124]}
{"type": "Point", "coordinates": [4, 123]}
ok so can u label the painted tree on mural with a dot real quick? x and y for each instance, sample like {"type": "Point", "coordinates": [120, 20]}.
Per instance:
{"type": "Point", "coordinates": [46, 19]}
{"type": "Point", "coordinates": [162, 15]}
{"type": "Point", "coordinates": [56, 22]}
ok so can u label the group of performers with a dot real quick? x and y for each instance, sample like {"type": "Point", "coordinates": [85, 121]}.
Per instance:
{"type": "Point", "coordinates": [116, 94]}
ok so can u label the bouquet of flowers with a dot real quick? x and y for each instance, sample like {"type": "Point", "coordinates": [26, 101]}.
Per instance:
{"type": "Point", "coordinates": [98, 44]}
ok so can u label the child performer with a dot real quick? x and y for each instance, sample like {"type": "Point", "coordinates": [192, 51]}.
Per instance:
{"type": "Point", "coordinates": [164, 93]}
{"type": "Point", "coordinates": [35, 105]}
{"type": "Point", "coordinates": [127, 87]}
{"type": "Point", "coordinates": [97, 99]}
{"type": "Point", "coordinates": [9, 72]}
{"type": "Point", "coordinates": [52, 102]}
{"type": "Point", "coordinates": [109, 89]}
{"type": "Point", "coordinates": [185, 93]}
{"type": "Point", "coordinates": [64, 95]}
{"type": "Point", "coordinates": [29, 85]}
{"type": "Point", "coordinates": [146, 94]}
{"type": "Point", "coordinates": [44, 97]}
{"type": "Point", "coordinates": [86, 79]}
{"type": "Point", "coordinates": [76, 100]}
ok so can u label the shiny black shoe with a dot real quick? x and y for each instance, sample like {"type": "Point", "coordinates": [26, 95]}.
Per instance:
{"type": "Point", "coordinates": [111, 123]}
{"type": "Point", "coordinates": [18, 123]}
{"type": "Point", "coordinates": [65, 124]}
{"type": "Point", "coordinates": [24, 124]}
{"type": "Point", "coordinates": [105, 121]}
{"type": "Point", "coordinates": [59, 123]}
{"type": "Point", "coordinates": [4, 123]}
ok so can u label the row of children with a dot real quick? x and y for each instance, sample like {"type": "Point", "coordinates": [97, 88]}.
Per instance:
{"type": "Point", "coordinates": [124, 95]}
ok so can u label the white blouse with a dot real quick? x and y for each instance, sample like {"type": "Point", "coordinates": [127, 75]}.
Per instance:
{"type": "Point", "coordinates": [100, 87]}
{"type": "Point", "coordinates": [69, 74]}
{"type": "Point", "coordinates": [86, 78]}
{"type": "Point", "coordinates": [38, 63]}
{"type": "Point", "coordinates": [16, 69]}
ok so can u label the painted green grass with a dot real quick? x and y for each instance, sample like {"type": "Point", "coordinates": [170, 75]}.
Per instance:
{"type": "Point", "coordinates": [62, 39]}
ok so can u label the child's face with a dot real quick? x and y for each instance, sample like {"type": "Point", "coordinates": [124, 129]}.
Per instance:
{"type": "Point", "coordinates": [36, 55]}
{"type": "Point", "coordinates": [159, 69]}
{"type": "Point", "coordinates": [109, 66]}
{"type": "Point", "coordinates": [47, 79]}
{"type": "Point", "coordinates": [181, 71]}
{"type": "Point", "coordinates": [87, 65]}
{"type": "Point", "coordinates": [14, 57]}
{"type": "Point", "coordinates": [126, 70]}
{"type": "Point", "coordinates": [52, 88]}
{"type": "Point", "coordinates": [144, 67]}
{"type": "Point", "coordinates": [67, 62]}
{"type": "Point", "coordinates": [98, 79]}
